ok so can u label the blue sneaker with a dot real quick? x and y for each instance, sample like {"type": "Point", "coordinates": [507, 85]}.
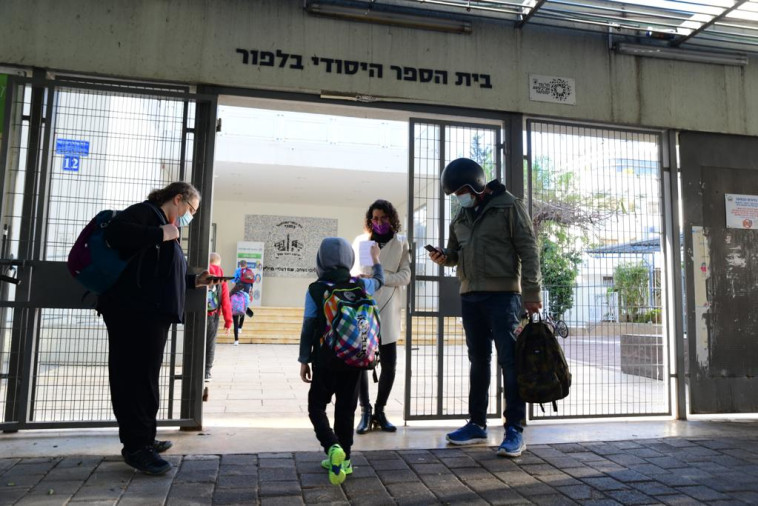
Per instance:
{"type": "Point", "coordinates": [513, 444]}
{"type": "Point", "coordinates": [469, 434]}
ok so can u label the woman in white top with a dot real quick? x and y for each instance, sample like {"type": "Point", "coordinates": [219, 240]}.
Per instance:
{"type": "Point", "coordinates": [382, 226]}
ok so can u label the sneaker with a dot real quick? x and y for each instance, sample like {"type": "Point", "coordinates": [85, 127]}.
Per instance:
{"type": "Point", "coordinates": [469, 434]}
{"type": "Point", "coordinates": [146, 460]}
{"type": "Point", "coordinates": [336, 459]}
{"type": "Point", "coordinates": [347, 465]}
{"type": "Point", "coordinates": [162, 446]}
{"type": "Point", "coordinates": [236, 343]}
{"type": "Point", "coordinates": [513, 444]}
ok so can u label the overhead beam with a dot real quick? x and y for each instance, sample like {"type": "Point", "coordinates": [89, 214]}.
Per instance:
{"type": "Point", "coordinates": [534, 9]}
{"type": "Point", "coordinates": [684, 38]}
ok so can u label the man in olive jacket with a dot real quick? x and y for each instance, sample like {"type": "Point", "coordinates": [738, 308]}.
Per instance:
{"type": "Point", "coordinates": [492, 244]}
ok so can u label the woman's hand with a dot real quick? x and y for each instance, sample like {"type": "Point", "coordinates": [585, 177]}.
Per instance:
{"type": "Point", "coordinates": [170, 232]}
{"type": "Point", "coordinates": [305, 373]}
{"type": "Point", "coordinates": [375, 253]}
{"type": "Point", "coordinates": [205, 279]}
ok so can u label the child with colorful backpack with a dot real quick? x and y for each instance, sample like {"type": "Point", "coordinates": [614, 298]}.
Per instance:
{"type": "Point", "coordinates": [335, 306]}
{"type": "Point", "coordinates": [239, 297]}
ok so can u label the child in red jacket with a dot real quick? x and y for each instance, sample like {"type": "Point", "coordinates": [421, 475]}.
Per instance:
{"type": "Point", "coordinates": [218, 303]}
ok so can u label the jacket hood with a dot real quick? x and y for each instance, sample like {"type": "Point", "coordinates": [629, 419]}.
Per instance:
{"type": "Point", "coordinates": [334, 253]}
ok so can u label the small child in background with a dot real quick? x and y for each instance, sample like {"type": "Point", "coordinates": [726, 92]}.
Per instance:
{"type": "Point", "coordinates": [333, 263]}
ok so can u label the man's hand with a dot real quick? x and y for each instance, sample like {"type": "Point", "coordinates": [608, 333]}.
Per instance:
{"type": "Point", "coordinates": [532, 307]}
{"type": "Point", "coordinates": [438, 257]}
{"type": "Point", "coordinates": [170, 232]}
{"type": "Point", "coordinates": [305, 373]}
{"type": "Point", "coordinates": [227, 331]}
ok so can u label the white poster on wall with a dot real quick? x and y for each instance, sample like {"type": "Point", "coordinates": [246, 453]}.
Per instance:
{"type": "Point", "coordinates": [553, 89]}
{"type": "Point", "coordinates": [291, 242]}
{"type": "Point", "coordinates": [741, 211]}
{"type": "Point", "coordinates": [252, 253]}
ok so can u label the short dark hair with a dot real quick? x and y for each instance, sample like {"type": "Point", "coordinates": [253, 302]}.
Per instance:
{"type": "Point", "coordinates": [389, 210]}
{"type": "Point", "coordinates": [186, 190]}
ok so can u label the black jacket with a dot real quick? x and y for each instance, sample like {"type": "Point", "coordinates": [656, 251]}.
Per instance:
{"type": "Point", "coordinates": [155, 280]}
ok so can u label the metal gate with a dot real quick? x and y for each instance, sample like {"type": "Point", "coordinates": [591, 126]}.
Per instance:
{"type": "Point", "coordinates": [437, 367]}
{"type": "Point", "coordinates": [596, 201]}
{"type": "Point", "coordinates": [719, 188]}
{"type": "Point", "coordinates": [75, 147]}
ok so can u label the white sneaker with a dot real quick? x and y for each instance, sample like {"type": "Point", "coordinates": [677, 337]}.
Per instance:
{"type": "Point", "coordinates": [236, 343]}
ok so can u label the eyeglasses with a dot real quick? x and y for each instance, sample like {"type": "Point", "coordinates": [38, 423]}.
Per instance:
{"type": "Point", "coordinates": [192, 209]}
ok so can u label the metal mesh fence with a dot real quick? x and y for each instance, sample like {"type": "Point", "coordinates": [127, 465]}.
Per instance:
{"type": "Point", "coordinates": [16, 139]}
{"type": "Point", "coordinates": [597, 211]}
{"type": "Point", "coordinates": [108, 150]}
{"type": "Point", "coordinates": [438, 356]}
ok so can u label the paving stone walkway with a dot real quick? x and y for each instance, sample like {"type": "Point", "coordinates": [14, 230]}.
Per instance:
{"type": "Point", "coordinates": [672, 471]}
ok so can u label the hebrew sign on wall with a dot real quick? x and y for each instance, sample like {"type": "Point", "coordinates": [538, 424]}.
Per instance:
{"type": "Point", "coordinates": [291, 242]}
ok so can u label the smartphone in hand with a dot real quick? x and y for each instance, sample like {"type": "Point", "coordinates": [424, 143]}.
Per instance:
{"type": "Point", "coordinates": [221, 278]}
{"type": "Point", "coordinates": [431, 249]}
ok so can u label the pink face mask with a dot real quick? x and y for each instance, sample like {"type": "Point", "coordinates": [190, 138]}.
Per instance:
{"type": "Point", "coordinates": [380, 228]}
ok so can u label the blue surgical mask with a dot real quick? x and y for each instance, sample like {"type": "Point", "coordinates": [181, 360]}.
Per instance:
{"type": "Point", "coordinates": [466, 200]}
{"type": "Point", "coordinates": [185, 219]}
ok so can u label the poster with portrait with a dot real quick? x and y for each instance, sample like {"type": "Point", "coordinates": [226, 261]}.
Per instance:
{"type": "Point", "coordinates": [291, 243]}
{"type": "Point", "coordinates": [252, 253]}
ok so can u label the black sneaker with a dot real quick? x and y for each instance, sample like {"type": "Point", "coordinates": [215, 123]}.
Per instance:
{"type": "Point", "coordinates": [146, 460]}
{"type": "Point", "coordinates": [162, 446]}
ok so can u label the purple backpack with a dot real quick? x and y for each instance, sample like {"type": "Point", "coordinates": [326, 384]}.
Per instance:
{"type": "Point", "coordinates": [91, 260]}
{"type": "Point", "coordinates": [239, 302]}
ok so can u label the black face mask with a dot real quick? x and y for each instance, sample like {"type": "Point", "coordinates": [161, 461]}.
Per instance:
{"type": "Point", "coordinates": [382, 239]}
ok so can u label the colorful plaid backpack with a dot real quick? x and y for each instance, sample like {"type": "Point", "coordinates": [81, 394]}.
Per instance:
{"type": "Point", "coordinates": [350, 339]}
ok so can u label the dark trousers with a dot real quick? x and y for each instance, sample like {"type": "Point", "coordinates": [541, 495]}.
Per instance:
{"type": "Point", "coordinates": [487, 317]}
{"type": "Point", "coordinates": [388, 366]}
{"type": "Point", "coordinates": [136, 346]}
{"type": "Point", "coordinates": [344, 386]}
{"type": "Point", "coordinates": [238, 319]}
{"type": "Point", "coordinates": [210, 342]}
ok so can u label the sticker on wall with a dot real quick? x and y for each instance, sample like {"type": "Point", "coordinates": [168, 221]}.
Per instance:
{"type": "Point", "coordinates": [556, 90]}
{"type": "Point", "coordinates": [741, 211]}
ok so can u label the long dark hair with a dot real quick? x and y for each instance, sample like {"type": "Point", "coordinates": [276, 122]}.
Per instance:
{"type": "Point", "coordinates": [158, 197]}
{"type": "Point", "coordinates": [388, 209]}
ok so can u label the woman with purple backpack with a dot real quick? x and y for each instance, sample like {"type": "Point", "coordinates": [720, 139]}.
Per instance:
{"type": "Point", "coordinates": [140, 308]}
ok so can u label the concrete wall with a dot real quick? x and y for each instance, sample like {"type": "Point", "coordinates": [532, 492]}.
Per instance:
{"type": "Point", "coordinates": [195, 41]}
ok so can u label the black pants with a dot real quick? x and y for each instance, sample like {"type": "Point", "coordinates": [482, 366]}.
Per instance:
{"type": "Point", "coordinates": [136, 346]}
{"type": "Point", "coordinates": [210, 342]}
{"type": "Point", "coordinates": [238, 319]}
{"type": "Point", "coordinates": [344, 386]}
{"type": "Point", "coordinates": [387, 365]}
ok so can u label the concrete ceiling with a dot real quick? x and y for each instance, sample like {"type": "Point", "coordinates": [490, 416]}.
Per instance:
{"type": "Point", "coordinates": [306, 185]}
{"type": "Point", "coordinates": [290, 152]}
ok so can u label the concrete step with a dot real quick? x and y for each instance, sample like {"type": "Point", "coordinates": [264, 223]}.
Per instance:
{"type": "Point", "coordinates": [282, 325]}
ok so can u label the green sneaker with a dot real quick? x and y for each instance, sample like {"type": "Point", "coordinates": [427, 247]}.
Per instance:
{"type": "Point", "coordinates": [336, 458]}
{"type": "Point", "coordinates": [347, 465]}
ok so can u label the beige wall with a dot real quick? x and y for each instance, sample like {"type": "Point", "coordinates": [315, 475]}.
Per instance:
{"type": "Point", "coordinates": [195, 41]}
{"type": "Point", "coordinates": [229, 217]}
